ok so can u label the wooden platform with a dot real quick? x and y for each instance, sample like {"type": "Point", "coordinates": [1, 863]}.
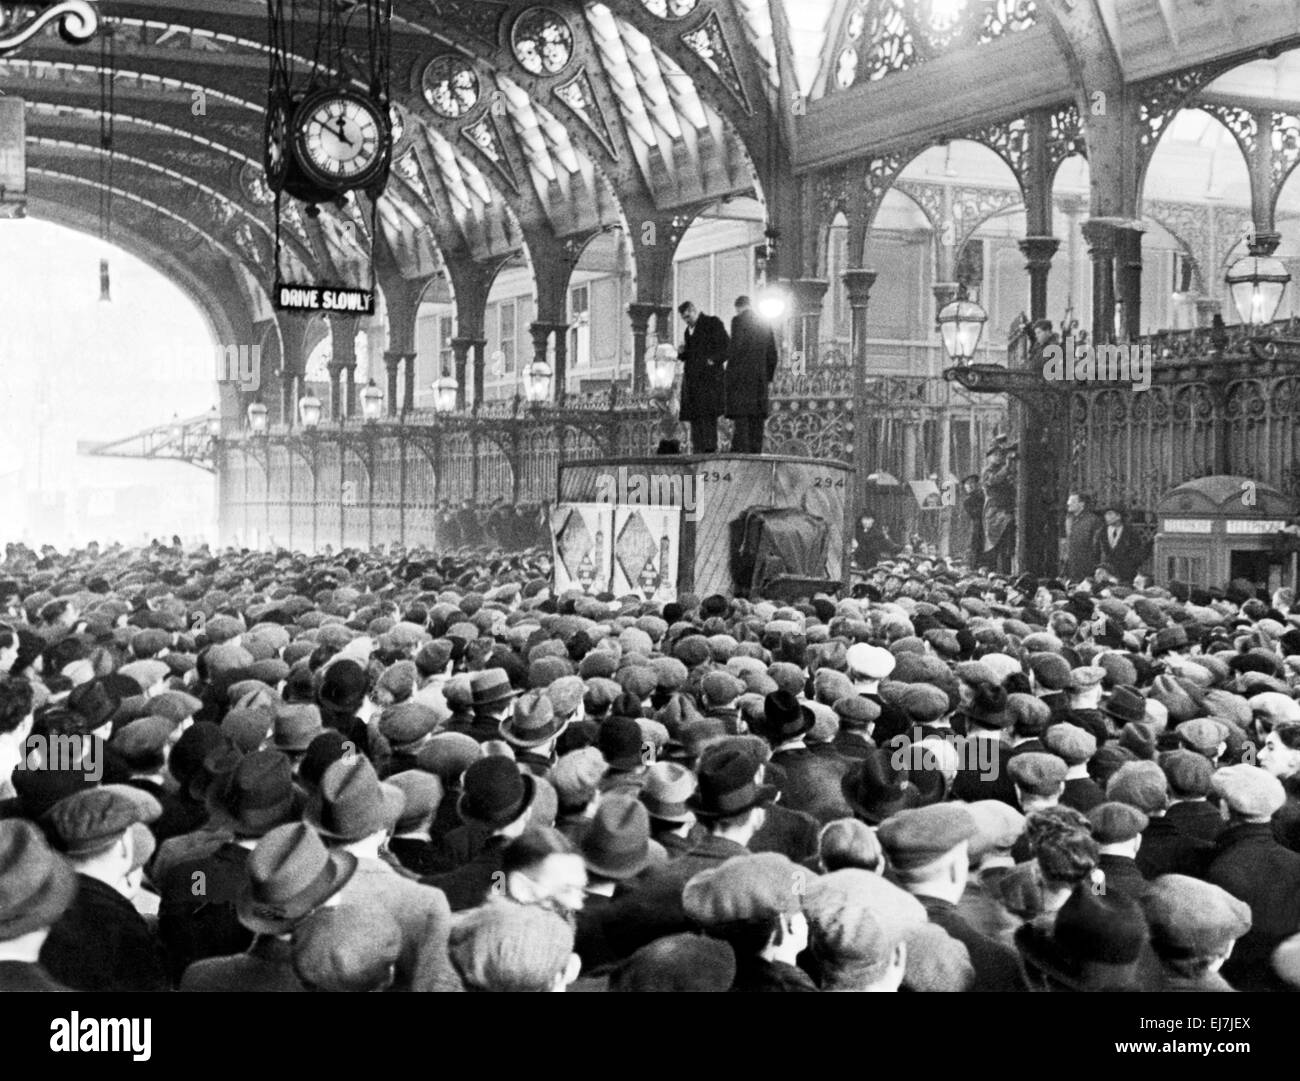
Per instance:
{"type": "Point", "coordinates": [661, 524]}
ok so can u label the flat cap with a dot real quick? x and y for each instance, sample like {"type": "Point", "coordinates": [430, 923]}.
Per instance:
{"type": "Point", "coordinates": [1051, 670]}
{"type": "Point", "coordinates": [142, 741]}
{"type": "Point", "coordinates": [175, 706]}
{"type": "Point", "coordinates": [1036, 772]}
{"type": "Point", "coordinates": [923, 703]}
{"type": "Point", "coordinates": [1273, 707]}
{"type": "Point", "coordinates": [1188, 773]}
{"type": "Point", "coordinates": [869, 662]}
{"type": "Point", "coordinates": [406, 722]}
{"type": "Point", "coordinates": [91, 821]}
{"type": "Point", "coordinates": [1203, 735]}
{"type": "Point", "coordinates": [682, 962]}
{"type": "Point", "coordinates": [752, 887]}
{"type": "Point", "coordinates": [1086, 676]}
{"type": "Point", "coordinates": [1248, 791]}
{"type": "Point", "coordinates": [423, 792]}
{"type": "Point", "coordinates": [1190, 918]}
{"type": "Point", "coordinates": [576, 777]}
{"type": "Point", "coordinates": [856, 712]}
{"type": "Point", "coordinates": [1114, 823]}
{"type": "Point", "coordinates": [720, 688]}
{"type": "Point", "coordinates": [1070, 742]}
{"type": "Point", "coordinates": [1141, 785]}
{"type": "Point", "coordinates": [922, 835]}
{"type": "Point", "coordinates": [449, 754]}
{"type": "Point", "coordinates": [997, 827]}
{"type": "Point", "coordinates": [566, 695]}
{"type": "Point", "coordinates": [788, 677]}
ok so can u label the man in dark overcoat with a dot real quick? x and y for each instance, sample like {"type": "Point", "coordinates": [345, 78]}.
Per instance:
{"type": "Point", "coordinates": [751, 365]}
{"type": "Point", "coordinates": [704, 354]}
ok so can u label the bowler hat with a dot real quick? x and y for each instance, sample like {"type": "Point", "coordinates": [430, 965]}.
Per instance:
{"type": "Point", "coordinates": [290, 873]}
{"type": "Point", "coordinates": [1126, 705]}
{"type": "Point", "coordinates": [495, 792]}
{"type": "Point", "coordinates": [344, 686]}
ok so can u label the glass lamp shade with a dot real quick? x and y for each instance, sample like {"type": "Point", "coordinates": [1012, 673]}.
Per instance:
{"type": "Point", "coordinates": [372, 401]}
{"type": "Point", "coordinates": [444, 394]}
{"type": "Point", "coordinates": [772, 304]}
{"type": "Point", "coordinates": [961, 324]}
{"type": "Point", "coordinates": [309, 410]}
{"type": "Point", "coordinates": [214, 423]}
{"type": "Point", "coordinates": [537, 382]}
{"type": "Point", "coordinates": [662, 369]}
{"type": "Point", "coordinates": [1257, 283]}
{"type": "Point", "coordinates": [257, 417]}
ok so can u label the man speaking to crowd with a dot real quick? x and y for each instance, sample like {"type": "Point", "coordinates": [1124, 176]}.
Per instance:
{"type": "Point", "coordinates": [751, 364]}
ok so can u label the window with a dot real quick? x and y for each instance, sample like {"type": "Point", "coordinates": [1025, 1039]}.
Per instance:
{"type": "Point", "coordinates": [580, 325]}
{"type": "Point", "coordinates": [446, 356]}
{"type": "Point", "coordinates": [508, 332]}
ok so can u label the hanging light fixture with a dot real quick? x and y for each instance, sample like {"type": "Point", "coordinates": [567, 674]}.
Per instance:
{"type": "Point", "coordinates": [1257, 283]}
{"type": "Point", "coordinates": [444, 394]}
{"type": "Point", "coordinates": [961, 324]}
{"type": "Point", "coordinates": [309, 410]}
{"type": "Point", "coordinates": [257, 418]}
{"type": "Point", "coordinates": [177, 430]}
{"type": "Point", "coordinates": [662, 369]}
{"type": "Point", "coordinates": [214, 423]}
{"type": "Point", "coordinates": [772, 303]}
{"type": "Point", "coordinates": [372, 402]}
{"type": "Point", "coordinates": [537, 382]}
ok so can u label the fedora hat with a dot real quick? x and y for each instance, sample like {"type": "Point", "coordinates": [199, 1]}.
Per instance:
{"type": "Point", "coordinates": [494, 792]}
{"type": "Point", "coordinates": [875, 789]}
{"type": "Point", "coordinates": [352, 803]}
{"type": "Point", "coordinates": [295, 726]}
{"type": "Point", "coordinates": [36, 884]}
{"type": "Point", "coordinates": [290, 874]}
{"type": "Point", "coordinates": [727, 784]}
{"type": "Point", "coordinates": [784, 717]}
{"type": "Point", "coordinates": [492, 686]}
{"type": "Point", "coordinates": [616, 843]}
{"type": "Point", "coordinates": [257, 796]}
{"type": "Point", "coordinates": [1126, 705]}
{"type": "Point", "coordinates": [668, 785]}
{"type": "Point", "coordinates": [533, 722]}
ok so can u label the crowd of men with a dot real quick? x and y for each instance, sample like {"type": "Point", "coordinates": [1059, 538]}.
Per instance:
{"type": "Point", "coordinates": [364, 771]}
{"type": "Point", "coordinates": [496, 525]}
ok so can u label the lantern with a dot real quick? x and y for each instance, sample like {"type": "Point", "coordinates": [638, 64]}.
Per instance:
{"type": "Point", "coordinates": [537, 382]}
{"type": "Point", "coordinates": [372, 402]}
{"type": "Point", "coordinates": [1257, 283]}
{"type": "Point", "coordinates": [309, 410]}
{"type": "Point", "coordinates": [444, 394]}
{"type": "Point", "coordinates": [960, 324]}
{"type": "Point", "coordinates": [662, 369]}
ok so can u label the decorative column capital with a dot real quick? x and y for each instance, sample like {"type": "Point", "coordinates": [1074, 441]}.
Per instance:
{"type": "Point", "coordinates": [1264, 243]}
{"type": "Point", "coordinates": [808, 294]}
{"type": "Point", "coordinates": [859, 281]}
{"type": "Point", "coordinates": [1038, 250]}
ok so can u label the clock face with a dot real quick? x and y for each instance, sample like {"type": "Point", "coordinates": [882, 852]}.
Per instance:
{"type": "Point", "coordinates": [450, 85]}
{"type": "Point", "coordinates": [276, 158]}
{"type": "Point", "coordinates": [341, 139]}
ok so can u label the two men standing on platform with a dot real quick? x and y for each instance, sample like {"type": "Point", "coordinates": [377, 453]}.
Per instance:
{"type": "Point", "coordinates": [727, 374]}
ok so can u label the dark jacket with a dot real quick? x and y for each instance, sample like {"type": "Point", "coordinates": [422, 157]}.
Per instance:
{"type": "Point", "coordinates": [873, 545]}
{"type": "Point", "coordinates": [996, 966]}
{"type": "Point", "coordinates": [101, 943]}
{"type": "Point", "coordinates": [1122, 876]}
{"type": "Point", "coordinates": [999, 484]}
{"type": "Point", "coordinates": [754, 974]}
{"type": "Point", "coordinates": [650, 907]}
{"type": "Point", "coordinates": [1197, 818]}
{"type": "Point", "coordinates": [812, 784]}
{"type": "Point", "coordinates": [1125, 557]}
{"type": "Point", "coordinates": [266, 966]}
{"type": "Point", "coordinates": [792, 833]}
{"type": "Point", "coordinates": [468, 886]}
{"type": "Point", "coordinates": [974, 783]}
{"type": "Point", "coordinates": [1252, 866]}
{"type": "Point", "coordinates": [705, 357]}
{"type": "Point", "coordinates": [972, 506]}
{"type": "Point", "coordinates": [1167, 850]}
{"type": "Point", "coordinates": [1081, 544]}
{"type": "Point", "coordinates": [196, 916]}
{"type": "Point", "coordinates": [25, 976]}
{"type": "Point", "coordinates": [751, 364]}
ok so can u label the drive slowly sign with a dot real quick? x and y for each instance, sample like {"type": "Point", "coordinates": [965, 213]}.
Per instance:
{"type": "Point", "coordinates": [323, 298]}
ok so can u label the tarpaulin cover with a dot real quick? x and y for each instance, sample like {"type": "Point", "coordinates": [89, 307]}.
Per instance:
{"type": "Point", "coordinates": [768, 542]}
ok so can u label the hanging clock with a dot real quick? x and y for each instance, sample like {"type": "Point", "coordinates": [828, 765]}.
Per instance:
{"type": "Point", "coordinates": [341, 139]}
{"type": "Point", "coordinates": [277, 153]}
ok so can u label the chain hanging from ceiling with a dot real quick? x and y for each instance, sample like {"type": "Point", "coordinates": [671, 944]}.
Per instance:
{"type": "Point", "coordinates": [329, 126]}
